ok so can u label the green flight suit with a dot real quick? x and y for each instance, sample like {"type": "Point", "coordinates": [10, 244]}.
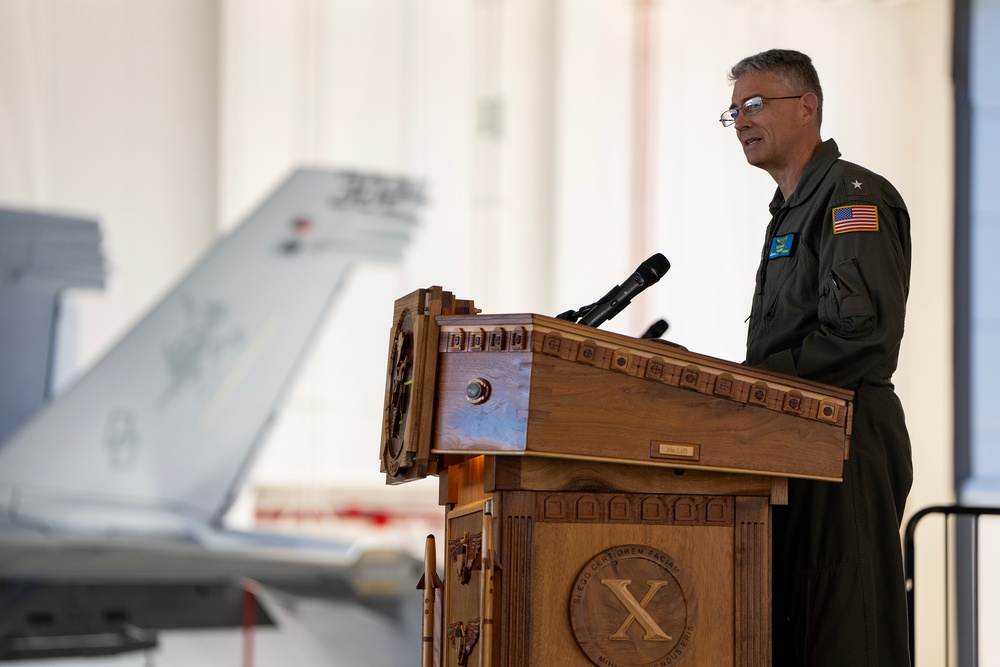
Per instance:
{"type": "Point", "coordinates": [829, 306]}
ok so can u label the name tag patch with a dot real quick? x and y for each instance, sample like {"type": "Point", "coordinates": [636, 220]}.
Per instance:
{"type": "Point", "coordinates": [782, 246]}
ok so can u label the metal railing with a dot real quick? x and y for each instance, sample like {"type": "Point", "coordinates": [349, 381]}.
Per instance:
{"type": "Point", "coordinates": [909, 548]}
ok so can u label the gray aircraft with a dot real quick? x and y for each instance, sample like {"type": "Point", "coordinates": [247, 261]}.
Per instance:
{"type": "Point", "coordinates": [112, 495]}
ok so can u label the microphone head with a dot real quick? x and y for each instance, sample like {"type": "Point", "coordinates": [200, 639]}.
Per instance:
{"type": "Point", "coordinates": [656, 329]}
{"type": "Point", "coordinates": [654, 268]}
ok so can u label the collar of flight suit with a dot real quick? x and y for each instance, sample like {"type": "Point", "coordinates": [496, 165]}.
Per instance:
{"type": "Point", "coordinates": [813, 174]}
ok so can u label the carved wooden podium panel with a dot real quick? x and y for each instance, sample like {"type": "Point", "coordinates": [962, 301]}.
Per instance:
{"type": "Point", "coordinates": [607, 498]}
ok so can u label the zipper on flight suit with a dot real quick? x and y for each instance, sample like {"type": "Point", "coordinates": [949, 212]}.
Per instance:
{"type": "Point", "coordinates": [772, 228]}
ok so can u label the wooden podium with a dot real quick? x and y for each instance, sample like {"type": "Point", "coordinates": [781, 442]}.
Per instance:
{"type": "Point", "coordinates": [607, 499]}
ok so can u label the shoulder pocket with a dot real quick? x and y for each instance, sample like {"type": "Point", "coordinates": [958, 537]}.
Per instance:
{"type": "Point", "coordinates": [844, 302]}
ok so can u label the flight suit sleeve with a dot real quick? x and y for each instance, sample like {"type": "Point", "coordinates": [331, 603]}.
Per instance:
{"type": "Point", "coordinates": [863, 279]}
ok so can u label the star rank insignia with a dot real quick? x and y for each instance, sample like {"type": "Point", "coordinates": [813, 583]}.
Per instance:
{"type": "Point", "coordinates": [854, 185]}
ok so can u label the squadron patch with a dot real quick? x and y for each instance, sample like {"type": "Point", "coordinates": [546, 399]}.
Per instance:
{"type": "Point", "coordinates": [782, 246]}
{"type": "Point", "coordinates": [855, 219]}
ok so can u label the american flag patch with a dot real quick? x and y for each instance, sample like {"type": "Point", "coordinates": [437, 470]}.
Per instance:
{"type": "Point", "coordinates": [855, 219]}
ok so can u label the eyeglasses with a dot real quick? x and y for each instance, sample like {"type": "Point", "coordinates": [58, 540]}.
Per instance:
{"type": "Point", "coordinates": [751, 107]}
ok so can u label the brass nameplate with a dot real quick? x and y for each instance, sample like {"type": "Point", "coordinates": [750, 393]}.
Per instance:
{"type": "Point", "coordinates": [683, 451]}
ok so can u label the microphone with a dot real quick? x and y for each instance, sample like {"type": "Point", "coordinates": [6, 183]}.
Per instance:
{"type": "Point", "coordinates": [656, 329]}
{"type": "Point", "coordinates": [615, 301]}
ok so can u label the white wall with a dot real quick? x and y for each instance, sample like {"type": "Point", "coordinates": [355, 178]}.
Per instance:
{"type": "Point", "coordinates": [109, 110]}
{"type": "Point", "coordinates": [532, 212]}
{"type": "Point", "coordinates": [566, 67]}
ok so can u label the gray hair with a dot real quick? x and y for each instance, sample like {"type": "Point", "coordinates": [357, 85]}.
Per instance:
{"type": "Point", "coordinates": [794, 67]}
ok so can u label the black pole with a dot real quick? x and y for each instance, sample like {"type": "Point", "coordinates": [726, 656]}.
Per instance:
{"type": "Point", "coordinates": [909, 558]}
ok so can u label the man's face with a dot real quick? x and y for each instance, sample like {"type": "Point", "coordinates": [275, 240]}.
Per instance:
{"type": "Point", "coordinates": [768, 137]}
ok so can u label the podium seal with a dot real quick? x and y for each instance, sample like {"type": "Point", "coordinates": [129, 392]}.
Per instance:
{"type": "Point", "coordinates": [633, 606]}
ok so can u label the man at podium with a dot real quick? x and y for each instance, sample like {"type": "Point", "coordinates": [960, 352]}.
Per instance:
{"type": "Point", "coordinates": [829, 305]}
